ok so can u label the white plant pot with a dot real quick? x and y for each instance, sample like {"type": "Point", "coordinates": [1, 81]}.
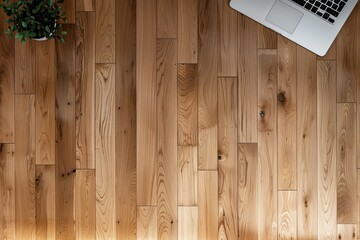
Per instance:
{"type": "Point", "coordinates": [40, 39]}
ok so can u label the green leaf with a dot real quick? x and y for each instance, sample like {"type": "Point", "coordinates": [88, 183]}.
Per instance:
{"type": "Point", "coordinates": [47, 29]}
{"type": "Point", "coordinates": [23, 40]}
{"type": "Point", "coordinates": [51, 3]}
{"type": "Point", "coordinates": [24, 24]}
{"type": "Point", "coordinates": [19, 35]}
{"type": "Point", "coordinates": [63, 32]}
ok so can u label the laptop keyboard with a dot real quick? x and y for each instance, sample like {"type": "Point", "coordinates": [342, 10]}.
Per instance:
{"type": "Point", "coordinates": [325, 9]}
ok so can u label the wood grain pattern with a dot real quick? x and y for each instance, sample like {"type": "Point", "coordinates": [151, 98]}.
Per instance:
{"type": "Point", "coordinates": [105, 31]}
{"type": "Point", "coordinates": [307, 159]}
{"type": "Point", "coordinates": [287, 215]}
{"type": "Point", "coordinates": [167, 138]}
{"type": "Point", "coordinates": [346, 163]}
{"type": "Point", "coordinates": [187, 88]}
{"type": "Point", "coordinates": [188, 31]}
{"type": "Point", "coordinates": [248, 85]}
{"type": "Point", "coordinates": [7, 191]}
{"type": "Point", "coordinates": [25, 67]}
{"type": "Point", "coordinates": [85, 5]}
{"type": "Point", "coordinates": [125, 119]}
{"type": "Point", "coordinates": [267, 72]}
{"type": "Point", "coordinates": [346, 59]}
{"type": "Point", "coordinates": [7, 82]}
{"type": "Point", "coordinates": [208, 205]}
{"type": "Point", "coordinates": [267, 38]}
{"type": "Point", "coordinates": [227, 177]}
{"type": "Point", "coordinates": [347, 231]}
{"type": "Point", "coordinates": [187, 176]}
{"type": "Point", "coordinates": [227, 103]}
{"type": "Point", "coordinates": [105, 151]}
{"type": "Point", "coordinates": [85, 90]}
{"type": "Point", "coordinates": [227, 40]}
{"type": "Point", "coordinates": [286, 119]}
{"type": "Point", "coordinates": [45, 201]}
{"type": "Point", "coordinates": [248, 182]}
{"type": "Point", "coordinates": [188, 223]}
{"type": "Point", "coordinates": [25, 225]}
{"type": "Point", "coordinates": [45, 102]}
{"type": "Point", "coordinates": [85, 204]}
{"type": "Point", "coordinates": [146, 223]}
{"type": "Point", "coordinates": [146, 102]}
{"type": "Point", "coordinates": [167, 17]}
{"type": "Point", "coordinates": [207, 69]}
{"type": "Point", "coordinates": [358, 90]}
{"type": "Point", "coordinates": [327, 149]}
{"type": "Point", "coordinates": [65, 135]}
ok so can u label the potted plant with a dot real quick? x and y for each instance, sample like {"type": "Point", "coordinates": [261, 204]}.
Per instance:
{"type": "Point", "coordinates": [34, 19]}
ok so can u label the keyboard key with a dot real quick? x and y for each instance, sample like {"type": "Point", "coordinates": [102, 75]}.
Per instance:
{"type": "Point", "coordinates": [308, 6]}
{"type": "Point", "coordinates": [326, 16]}
{"type": "Point", "coordinates": [331, 20]}
{"type": "Point", "coordinates": [329, 3]}
{"type": "Point", "coordinates": [311, 1]}
{"type": "Point", "coordinates": [335, 6]}
{"type": "Point", "coordinates": [317, 4]}
{"type": "Point", "coordinates": [314, 9]}
{"type": "Point", "coordinates": [300, 2]}
{"type": "Point", "coordinates": [332, 12]}
{"type": "Point", "coordinates": [323, 7]}
{"type": "Point", "coordinates": [319, 14]}
{"type": "Point", "coordinates": [337, 1]}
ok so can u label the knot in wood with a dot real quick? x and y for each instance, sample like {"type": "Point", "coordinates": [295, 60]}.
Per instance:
{"type": "Point", "coordinates": [262, 114]}
{"type": "Point", "coordinates": [281, 97]}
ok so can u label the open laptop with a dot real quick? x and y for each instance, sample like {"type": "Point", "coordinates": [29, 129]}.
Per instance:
{"type": "Point", "coordinates": [312, 24]}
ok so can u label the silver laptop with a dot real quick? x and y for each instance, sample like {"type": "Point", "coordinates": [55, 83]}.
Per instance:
{"type": "Point", "coordinates": [312, 24]}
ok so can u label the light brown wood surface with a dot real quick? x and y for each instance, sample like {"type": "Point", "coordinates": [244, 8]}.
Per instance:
{"type": "Point", "coordinates": [85, 89]}
{"type": "Point", "coordinates": [178, 119]}
{"type": "Point", "coordinates": [7, 191]}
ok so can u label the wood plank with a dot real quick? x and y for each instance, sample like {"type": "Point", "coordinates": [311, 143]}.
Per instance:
{"type": "Point", "coordinates": [287, 117]}
{"type": "Point", "coordinates": [188, 31]}
{"type": "Point", "coordinates": [167, 138]}
{"type": "Point", "coordinates": [227, 158]}
{"type": "Point", "coordinates": [85, 5]}
{"type": "Point", "coordinates": [267, 38]}
{"type": "Point", "coordinates": [347, 231]}
{"type": "Point", "coordinates": [326, 85]}
{"type": "Point", "coordinates": [307, 161]}
{"type": "Point", "coordinates": [187, 104]}
{"type": "Point", "coordinates": [358, 90]}
{"type": "Point", "coordinates": [267, 72]}
{"type": "Point", "coordinates": [247, 86]}
{"type": "Point", "coordinates": [227, 177]}
{"type": "Point", "coordinates": [188, 223]}
{"type": "Point", "coordinates": [125, 119]}
{"type": "Point", "coordinates": [287, 215]}
{"type": "Point", "coordinates": [25, 67]}
{"type": "Point", "coordinates": [45, 201]}
{"type": "Point", "coordinates": [105, 151]}
{"type": "Point", "coordinates": [187, 176]}
{"type": "Point", "coordinates": [65, 135]}
{"type": "Point", "coordinates": [248, 182]}
{"type": "Point", "coordinates": [85, 90]}
{"type": "Point", "coordinates": [207, 69]}
{"type": "Point", "coordinates": [346, 163]}
{"type": "Point", "coordinates": [69, 7]}
{"type": "Point", "coordinates": [85, 204]}
{"type": "Point", "coordinates": [7, 191]}
{"type": "Point", "coordinates": [167, 17]}
{"type": "Point", "coordinates": [208, 205]}
{"type": "Point", "coordinates": [227, 102]}
{"type": "Point", "coordinates": [105, 31]}
{"type": "Point", "coordinates": [25, 225]}
{"type": "Point", "coordinates": [45, 102]}
{"type": "Point", "coordinates": [346, 61]}
{"type": "Point", "coordinates": [227, 40]}
{"type": "Point", "coordinates": [146, 223]}
{"type": "Point", "coordinates": [146, 112]}
{"type": "Point", "coordinates": [7, 82]}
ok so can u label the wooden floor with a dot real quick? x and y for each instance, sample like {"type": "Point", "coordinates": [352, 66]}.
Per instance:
{"type": "Point", "coordinates": [178, 119]}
